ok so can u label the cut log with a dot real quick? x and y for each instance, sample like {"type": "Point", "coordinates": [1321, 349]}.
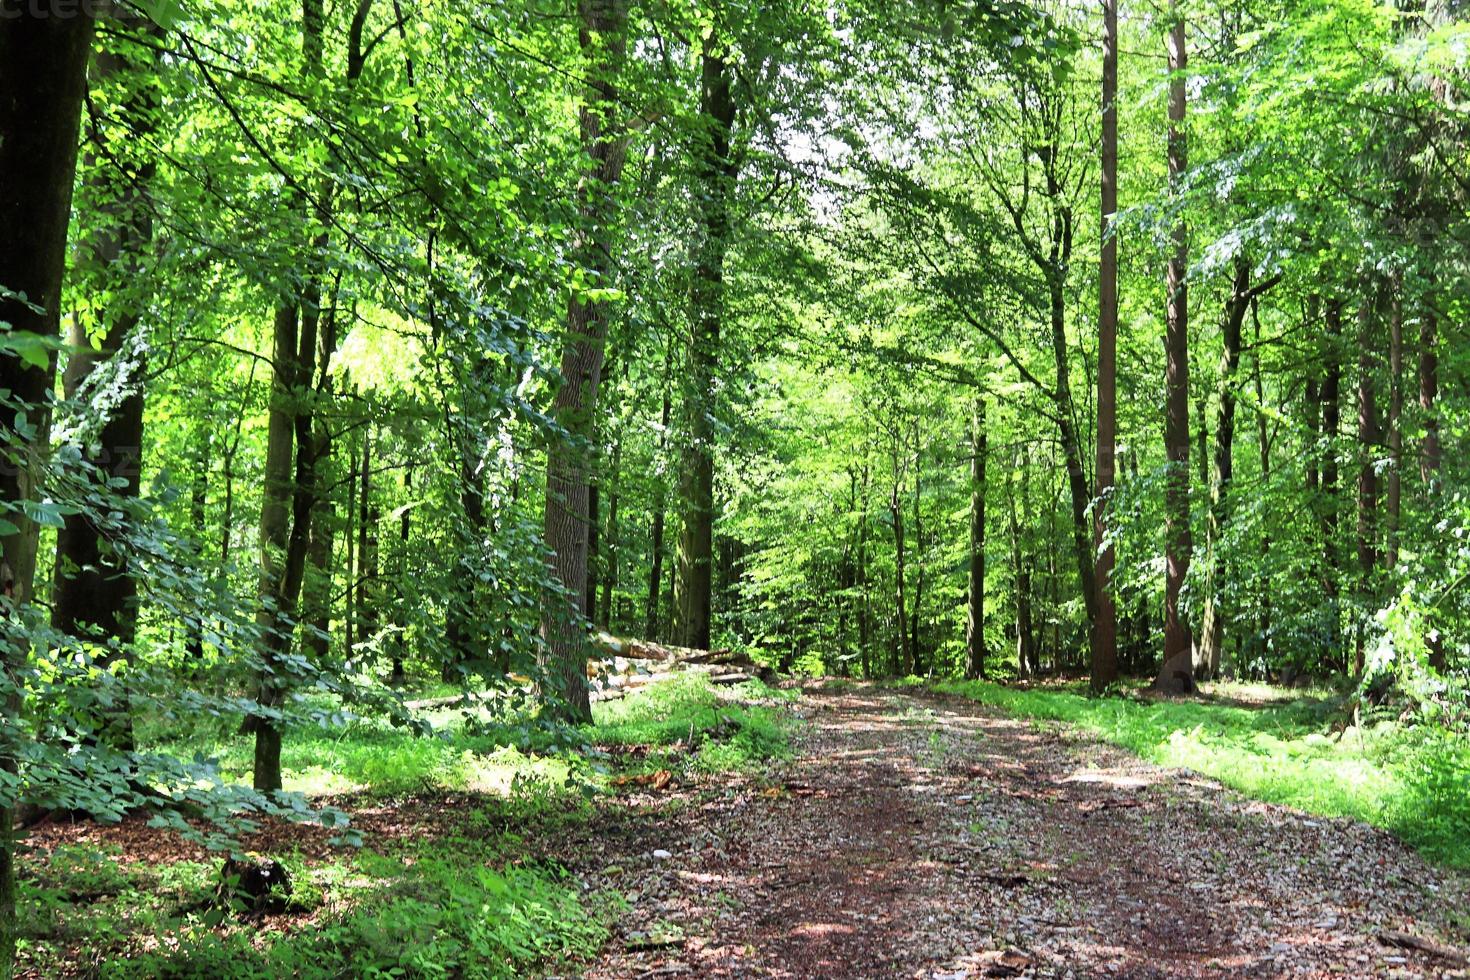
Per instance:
{"type": "Point", "coordinates": [1407, 940]}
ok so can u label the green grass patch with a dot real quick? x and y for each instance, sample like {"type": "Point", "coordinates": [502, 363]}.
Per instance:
{"type": "Point", "coordinates": [1412, 780]}
{"type": "Point", "coordinates": [729, 733]}
{"type": "Point", "coordinates": [448, 908]}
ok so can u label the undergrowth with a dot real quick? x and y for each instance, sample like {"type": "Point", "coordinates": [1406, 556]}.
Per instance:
{"type": "Point", "coordinates": [474, 903]}
{"type": "Point", "coordinates": [1411, 780]}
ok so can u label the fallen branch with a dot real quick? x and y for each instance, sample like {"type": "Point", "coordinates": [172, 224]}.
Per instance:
{"type": "Point", "coordinates": [1406, 940]}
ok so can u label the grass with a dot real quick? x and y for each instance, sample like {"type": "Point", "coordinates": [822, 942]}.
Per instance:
{"type": "Point", "coordinates": [1411, 780]}
{"type": "Point", "coordinates": [474, 903]}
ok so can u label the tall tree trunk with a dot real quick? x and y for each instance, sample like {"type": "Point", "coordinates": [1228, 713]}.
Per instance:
{"type": "Point", "coordinates": [43, 63]}
{"type": "Point", "coordinates": [198, 500]}
{"type": "Point", "coordinates": [864, 613]}
{"type": "Point", "coordinates": [317, 586]}
{"type": "Point", "coordinates": [400, 635]}
{"type": "Point", "coordinates": [1263, 446]}
{"type": "Point", "coordinates": [915, 616]}
{"type": "Point", "coordinates": [1026, 661]}
{"type": "Point", "coordinates": [1394, 502]}
{"type": "Point", "coordinates": [1104, 632]}
{"type": "Point", "coordinates": [290, 495]}
{"type": "Point", "coordinates": [1369, 438]}
{"type": "Point", "coordinates": [1429, 456]}
{"type": "Point", "coordinates": [975, 608]}
{"type": "Point", "coordinates": [905, 648]}
{"type": "Point", "coordinates": [614, 538]}
{"type": "Point", "coordinates": [94, 595]}
{"type": "Point", "coordinates": [1176, 674]}
{"type": "Point", "coordinates": [651, 616]}
{"type": "Point", "coordinates": [594, 528]}
{"type": "Point", "coordinates": [603, 41]}
{"type": "Point", "coordinates": [1331, 423]}
{"type": "Point", "coordinates": [349, 625]}
{"type": "Point", "coordinates": [717, 173]}
{"type": "Point", "coordinates": [1212, 630]}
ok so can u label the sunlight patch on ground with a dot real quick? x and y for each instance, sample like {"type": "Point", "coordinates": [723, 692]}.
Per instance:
{"type": "Point", "coordinates": [1116, 780]}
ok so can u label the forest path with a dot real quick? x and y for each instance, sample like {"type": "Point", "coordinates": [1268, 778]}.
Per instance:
{"type": "Point", "coordinates": [921, 836]}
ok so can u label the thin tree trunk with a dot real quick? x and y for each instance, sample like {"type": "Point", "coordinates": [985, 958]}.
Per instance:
{"type": "Point", "coordinates": [1331, 423]}
{"type": "Point", "coordinates": [614, 539]}
{"type": "Point", "coordinates": [915, 645]}
{"type": "Point", "coordinates": [1368, 440]}
{"type": "Point", "coordinates": [1429, 458]}
{"type": "Point", "coordinates": [365, 584]}
{"type": "Point", "coordinates": [1026, 662]}
{"type": "Point", "coordinates": [975, 608]}
{"type": "Point", "coordinates": [400, 635]}
{"type": "Point", "coordinates": [603, 40]}
{"type": "Point", "coordinates": [1176, 674]}
{"type": "Point", "coordinates": [906, 651]}
{"type": "Point", "coordinates": [1104, 632]}
{"type": "Point", "coordinates": [349, 624]}
{"type": "Point", "coordinates": [1212, 630]}
{"type": "Point", "coordinates": [594, 528]}
{"type": "Point", "coordinates": [1263, 445]}
{"type": "Point", "coordinates": [198, 500]}
{"type": "Point", "coordinates": [651, 617]}
{"type": "Point", "coordinates": [1394, 502]}
{"type": "Point", "coordinates": [717, 173]}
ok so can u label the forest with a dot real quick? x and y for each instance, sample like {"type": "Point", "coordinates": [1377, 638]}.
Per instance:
{"type": "Point", "coordinates": [630, 488]}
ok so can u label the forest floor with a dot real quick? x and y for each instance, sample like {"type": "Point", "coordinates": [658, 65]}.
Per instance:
{"type": "Point", "coordinates": [921, 835]}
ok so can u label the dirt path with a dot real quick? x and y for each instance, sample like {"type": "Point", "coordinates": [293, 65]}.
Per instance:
{"type": "Point", "coordinates": [917, 836]}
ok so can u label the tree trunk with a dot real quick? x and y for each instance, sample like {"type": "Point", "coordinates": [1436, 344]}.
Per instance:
{"type": "Point", "coordinates": [975, 609]}
{"type": "Point", "coordinates": [1368, 440]}
{"type": "Point", "coordinates": [614, 540]}
{"type": "Point", "coordinates": [317, 586]}
{"type": "Point", "coordinates": [198, 499]}
{"type": "Point", "coordinates": [1026, 662]}
{"type": "Point", "coordinates": [651, 616]}
{"type": "Point", "coordinates": [603, 40]}
{"type": "Point", "coordinates": [717, 173]}
{"type": "Point", "coordinates": [400, 636]}
{"type": "Point", "coordinates": [94, 596]}
{"type": "Point", "coordinates": [864, 614]}
{"type": "Point", "coordinates": [906, 651]}
{"type": "Point", "coordinates": [1104, 632]}
{"type": "Point", "coordinates": [915, 644]}
{"type": "Point", "coordinates": [1263, 446]}
{"type": "Point", "coordinates": [1429, 458]}
{"type": "Point", "coordinates": [43, 63]}
{"type": "Point", "coordinates": [1212, 630]}
{"type": "Point", "coordinates": [1176, 674]}
{"type": "Point", "coordinates": [594, 527]}
{"type": "Point", "coordinates": [1394, 502]}
{"type": "Point", "coordinates": [1331, 422]}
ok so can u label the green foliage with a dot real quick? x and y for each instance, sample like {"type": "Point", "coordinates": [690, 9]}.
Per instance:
{"type": "Point", "coordinates": [724, 735]}
{"type": "Point", "coordinates": [1405, 778]}
{"type": "Point", "coordinates": [443, 909]}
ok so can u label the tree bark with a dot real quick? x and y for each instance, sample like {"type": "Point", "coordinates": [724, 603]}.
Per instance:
{"type": "Point", "coordinates": [603, 40]}
{"type": "Point", "coordinates": [1429, 457]}
{"type": "Point", "coordinates": [905, 649]}
{"type": "Point", "coordinates": [1330, 394]}
{"type": "Point", "coordinates": [43, 63]}
{"type": "Point", "coordinates": [94, 595]}
{"type": "Point", "coordinates": [614, 539]}
{"type": "Point", "coordinates": [1104, 632]}
{"type": "Point", "coordinates": [1394, 501]}
{"type": "Point", "coordinates": [1369, 438]}
{"type": "Point", "coordinates": [717, 174]}
{"type": "Point", "coordinates": [1176, 674]}
{"type": "Point", "coordinates": [975, 608]}
{"type": "Point", "coordinates": [1212, 630]}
